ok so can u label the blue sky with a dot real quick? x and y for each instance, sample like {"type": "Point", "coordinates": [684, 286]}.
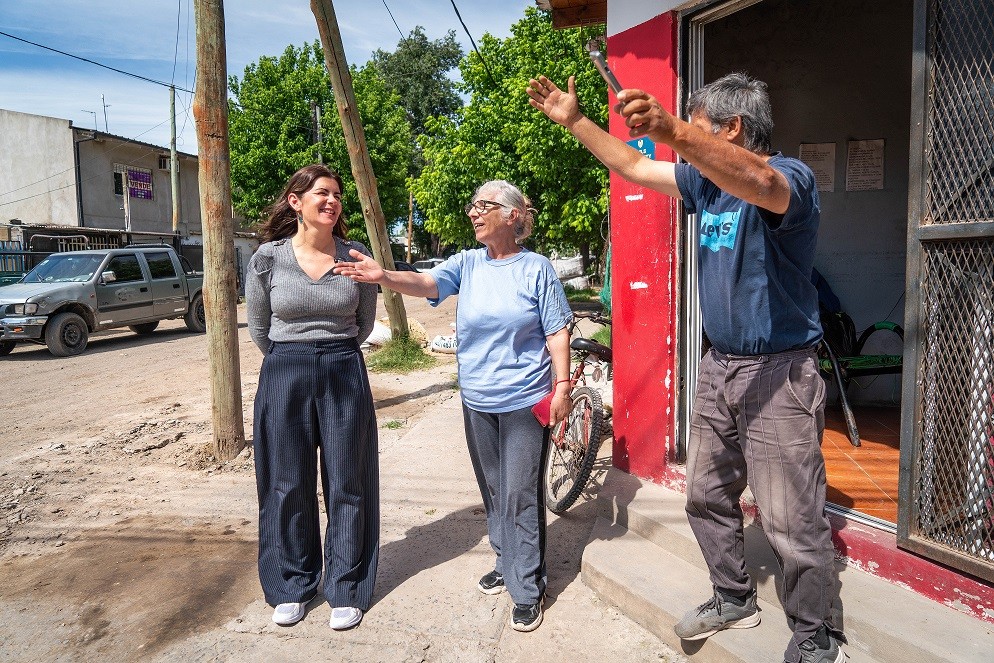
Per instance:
{"type": "Point", "coordinates": [156, 39]}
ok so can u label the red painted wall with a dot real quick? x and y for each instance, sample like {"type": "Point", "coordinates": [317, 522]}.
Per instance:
{"type": "Point", "coordinates": [644, 280]}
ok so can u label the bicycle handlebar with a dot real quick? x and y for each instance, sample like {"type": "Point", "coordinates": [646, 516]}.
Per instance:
{"type": "Point", "coordinates": [590, 315]}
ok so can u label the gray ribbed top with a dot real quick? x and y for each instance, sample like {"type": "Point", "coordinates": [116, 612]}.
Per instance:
{"type": "Point", "coordinates": [284, 304]}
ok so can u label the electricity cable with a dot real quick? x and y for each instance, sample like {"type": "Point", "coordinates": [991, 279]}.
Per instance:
{"type": "Point", "coordinates": [486, 67]}
{"type": "Point", "coordinates": [393, 19]}
{"type": "Point", "coordinates": [77, 57]}
{"type": "Point", "coordinates": [179, 11]}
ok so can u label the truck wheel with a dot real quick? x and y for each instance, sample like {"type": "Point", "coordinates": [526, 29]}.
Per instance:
{"type": "Point", "coordinates": [144, 328]}
{"type": "Point", "coordinates": [6, 347]}
{"type": "Point", "coordinates": [66, 335]}
{"type": "Point", "coordinates": [195, 319]}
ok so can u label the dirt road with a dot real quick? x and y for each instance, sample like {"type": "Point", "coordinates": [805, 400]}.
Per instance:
{"type": "Point", "coordinates": [122, 539]}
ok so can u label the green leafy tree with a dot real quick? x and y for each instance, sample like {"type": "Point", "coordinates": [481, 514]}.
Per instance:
{"type": "Point", "coordinates": [271, 133]}
{"type": "Point", "coordinates": [497, 135]}
{"type": "Point", "coordinates": [417, 70]}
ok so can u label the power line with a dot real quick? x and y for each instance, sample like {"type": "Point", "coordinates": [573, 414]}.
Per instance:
{"type": "Point", "coordinates": [77, 57]}
{"type": "Point", "coordinates": [186, 73]}
{"type": "Point", "coordinates": [486, 67]}
{"type": "Point", "coordinates": [393, 19]}
{"type": "Point", "coordinates": [179, 10]}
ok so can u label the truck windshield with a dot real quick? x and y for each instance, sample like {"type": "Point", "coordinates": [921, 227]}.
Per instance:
{"type": "Point", "coordinates": [64, 268]}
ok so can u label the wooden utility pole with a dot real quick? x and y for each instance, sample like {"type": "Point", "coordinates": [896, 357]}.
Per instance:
{"type": "Point", "coordinates": [362, 169]}
{"type": "Point", "coordinates": [173, 159]}
{"type": "Point", "coordinates": [410, 223]}
{"type": "Point", "coordinates": [210, 108]}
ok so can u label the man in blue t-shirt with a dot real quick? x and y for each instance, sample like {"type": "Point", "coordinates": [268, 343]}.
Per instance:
{"type": "Point", "coordinates": [759, 407]}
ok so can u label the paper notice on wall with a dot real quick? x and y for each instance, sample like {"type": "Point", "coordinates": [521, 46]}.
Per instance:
{"type": "Point", "coordinates": [865, 165]}
{"type": "Point", "coordinates": [820, 158]}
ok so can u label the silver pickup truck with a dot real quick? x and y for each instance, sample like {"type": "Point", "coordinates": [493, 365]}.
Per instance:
{"type": "Point", "coordinates": [69, 295]}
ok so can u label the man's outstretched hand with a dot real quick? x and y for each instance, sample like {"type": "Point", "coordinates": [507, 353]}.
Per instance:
{"type": "Point", "coordinates": [642, 112]}
{"type": "Point", "coordinates": [560, 107]}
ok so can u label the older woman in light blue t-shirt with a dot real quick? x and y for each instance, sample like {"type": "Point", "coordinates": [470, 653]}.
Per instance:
{"type": "Point", "coordinates": [511, 325]}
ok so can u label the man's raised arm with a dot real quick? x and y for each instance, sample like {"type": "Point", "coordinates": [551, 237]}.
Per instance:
{"type": "Point", "coordinates": [564, 108]}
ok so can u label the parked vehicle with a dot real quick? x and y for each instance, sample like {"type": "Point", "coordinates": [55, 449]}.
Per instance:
{"type": "Point", "coordinates": [6, 278]}
{"type": "Point", "coordinates": [70, 295]}
{"type": "Point", "coordinates": [423, 265]}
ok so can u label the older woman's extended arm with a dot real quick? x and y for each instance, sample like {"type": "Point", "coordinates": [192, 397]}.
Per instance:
{"type": "Point", "coordinates": [367, 270]}
{"type": "Point", "coordinates": [559, 350]}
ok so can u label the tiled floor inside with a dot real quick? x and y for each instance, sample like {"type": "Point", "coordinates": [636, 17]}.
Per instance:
{"type": "Point", "coordinates": [863, 478]}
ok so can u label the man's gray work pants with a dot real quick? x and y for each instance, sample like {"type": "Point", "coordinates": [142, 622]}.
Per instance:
{"type": "Point", "coordinates": [759, 420]}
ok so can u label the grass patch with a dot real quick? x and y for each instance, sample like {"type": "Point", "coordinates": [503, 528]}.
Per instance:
{"type": "Point", "coordinates": [603, 336]}
{"type": "Point", "coordinates": [399, 355]}
{"type": "Point", "coordinates": [393, 424]}
{"type": "Point", "coordinates": [581, 295]}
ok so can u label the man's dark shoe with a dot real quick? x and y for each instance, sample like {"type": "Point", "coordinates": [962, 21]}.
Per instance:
{"type": "Point", "coordinates": [718, 614]}
{"type": "Point", "coordinates": [527, 616]}
{"type": "Point", "coordinates": [822, 647]}
{"type": "Point", "coordinates": [492, 583]}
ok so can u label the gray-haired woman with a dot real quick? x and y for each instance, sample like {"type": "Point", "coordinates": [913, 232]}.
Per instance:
{"type": "Point", "coordinates": [511, 325]}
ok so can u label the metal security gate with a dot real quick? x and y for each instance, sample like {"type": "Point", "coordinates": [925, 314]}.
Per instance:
{"type": "Point", "coordinates": [946, 509]}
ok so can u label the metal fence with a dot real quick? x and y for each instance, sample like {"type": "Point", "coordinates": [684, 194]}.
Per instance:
{"type": "Point", "coordinates": [11, 259]}
{"type": "Point", "coordinates": [947, 508]}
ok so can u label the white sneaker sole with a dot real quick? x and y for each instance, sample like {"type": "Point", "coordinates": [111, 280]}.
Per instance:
{"type": "Point", "coordinates": [493, 591]}
{"type": "Point", "coordinates": [345, 623]}
{"type": "Point", "coordinates": [745, 622]}
{"type": "Point", "coordinates": [291, 618]}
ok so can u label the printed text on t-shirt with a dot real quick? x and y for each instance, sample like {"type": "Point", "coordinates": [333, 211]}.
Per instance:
{"type": "Point", "coordinates": [719, 230]}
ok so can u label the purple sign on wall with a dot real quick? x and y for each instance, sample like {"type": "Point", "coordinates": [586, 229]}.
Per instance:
{"type": "Point", "coordinates": [140, 183]}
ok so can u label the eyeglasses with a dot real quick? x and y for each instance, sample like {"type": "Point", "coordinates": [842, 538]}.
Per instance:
{"type": "Point", "coordinates": [482, 206]}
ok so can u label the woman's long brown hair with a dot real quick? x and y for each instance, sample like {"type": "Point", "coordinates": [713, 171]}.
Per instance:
{"type": "Point", "coordinates": [281, 220]}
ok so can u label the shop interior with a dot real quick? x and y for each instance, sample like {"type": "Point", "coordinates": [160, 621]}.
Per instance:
{"type": "Point", "coordinates": [839, 77]}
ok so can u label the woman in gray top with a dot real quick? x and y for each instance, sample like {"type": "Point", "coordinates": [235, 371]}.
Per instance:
{"type": "Point", "coordinates": [313, 394]}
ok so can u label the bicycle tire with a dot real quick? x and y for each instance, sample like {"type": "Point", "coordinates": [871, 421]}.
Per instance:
{"type": "Point", "coordinates": [568, 467]}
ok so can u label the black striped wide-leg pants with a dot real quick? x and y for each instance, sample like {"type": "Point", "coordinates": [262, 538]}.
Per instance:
{"type": "Point", "coordinates": [311, 396]}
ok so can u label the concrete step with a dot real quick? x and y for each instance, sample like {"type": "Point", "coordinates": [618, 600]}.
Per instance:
{"type": "Point", "coordinates": [643, 557]}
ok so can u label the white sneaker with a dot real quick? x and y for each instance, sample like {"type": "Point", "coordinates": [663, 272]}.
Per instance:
{"type": "Point", "coordinates": [289, 613]}
{"type": "Point", "coordinates": [343, 618]}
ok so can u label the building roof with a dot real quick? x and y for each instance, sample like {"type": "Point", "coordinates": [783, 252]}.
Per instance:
{"type": "Point", "coordinates": [574, 13]}
{"type": "Point", "coordinates": [95, 134]}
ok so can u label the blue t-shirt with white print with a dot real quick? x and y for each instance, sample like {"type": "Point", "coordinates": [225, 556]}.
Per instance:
{"type": "Point", "coordinates": [755, 266]}
{"type": "Point", "coordinates": [506, 309]}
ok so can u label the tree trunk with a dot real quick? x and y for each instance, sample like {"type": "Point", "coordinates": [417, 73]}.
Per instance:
{"type": "Point", "coordinates": [585, 256]}
{"type": "Point", "coordinates": [362, 169]}
{"type": "Point", "coordinates": [210, 108]}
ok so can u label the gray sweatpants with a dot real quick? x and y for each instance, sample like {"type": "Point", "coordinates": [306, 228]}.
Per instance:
{"type": "Point", "coordinates": [508, 453]}
{"type": "Point", "coordinates": [759, 420]}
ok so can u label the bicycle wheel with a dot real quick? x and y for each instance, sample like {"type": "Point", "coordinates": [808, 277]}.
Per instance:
{"type": "Point", "coordinates": [573, 450]}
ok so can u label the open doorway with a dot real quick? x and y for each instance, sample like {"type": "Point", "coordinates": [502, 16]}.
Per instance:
{"type": "Point", "coordinates": [839, 76]}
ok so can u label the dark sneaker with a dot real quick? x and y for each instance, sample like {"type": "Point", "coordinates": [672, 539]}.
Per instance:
{"type": "Point", "coordinates": [718, 614]}
{"type": "Point", "coordinates": [526, 616]}
{"type": "Point", "coordinates": [492, 583]}
{"type": "Point", "coordinates": [822, 647]}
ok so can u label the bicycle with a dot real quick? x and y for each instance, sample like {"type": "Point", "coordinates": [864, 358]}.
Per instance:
{"type": "Point", "coordinates": [576, 440]}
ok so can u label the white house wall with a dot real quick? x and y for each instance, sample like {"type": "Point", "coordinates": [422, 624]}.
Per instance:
{"type": "Point", "coordinates": [37, 170]}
